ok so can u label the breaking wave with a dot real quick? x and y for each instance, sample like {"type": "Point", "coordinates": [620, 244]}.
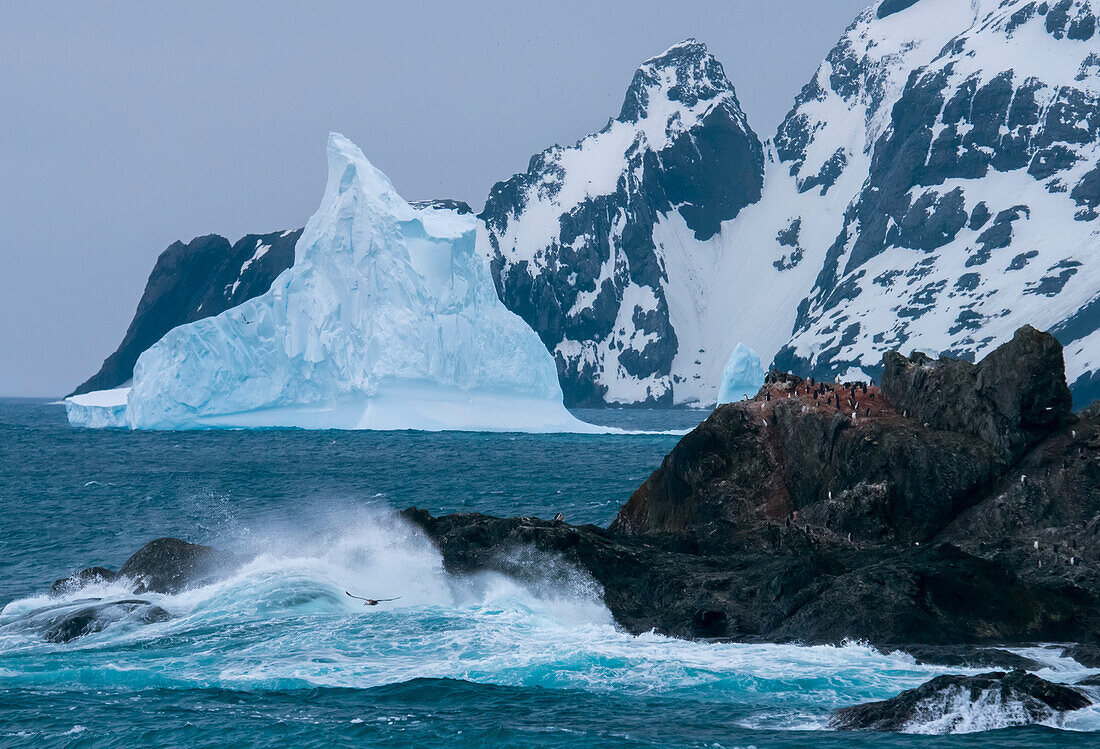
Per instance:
{"type": "Point", "coordinates": [283, 622]}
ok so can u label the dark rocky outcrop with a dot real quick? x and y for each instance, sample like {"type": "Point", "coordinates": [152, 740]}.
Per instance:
{"type": "Point", "coordinates": [1087, 654]}
{"type": "Point", "coordinates": [788, 518]}
{"type": "Point", "coordinates": [1030, 699]}
{"type": "Point", "coordinates": [1014, 397]}
{"type": "Point", "coordinates": [201, 278]}
{"type": "Point", "coordinates": [96, 617]}
{"type": "Point", "coordinates": [65, 622]}
{"type": "Point", "coordinates": [782, 584]}
{"type": "Point", "coordinates": [166, 565]}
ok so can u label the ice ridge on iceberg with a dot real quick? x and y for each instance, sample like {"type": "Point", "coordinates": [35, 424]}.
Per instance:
{"type": "Point", "coordinates": [388, 319]}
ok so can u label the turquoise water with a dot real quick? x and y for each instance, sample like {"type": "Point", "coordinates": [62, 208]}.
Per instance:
{"type": "Point", "coordinates": [276, 655]}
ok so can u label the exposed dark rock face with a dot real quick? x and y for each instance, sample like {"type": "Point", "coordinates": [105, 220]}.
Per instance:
{"type": "Point", "coordinates": [166, 565]}
{"type": "Point", "coordinates": [785, 518]}
{"type": "Point", "coordinates": [191, 281]}
{"type": "Point", "coordinates": [1031, 699]}
{"type": "Point", "coordinates": [1014, 397]}
{"type": "Point", "coordinates": [575, 247]}
{"type": "Point", "coordinates": [65, 622]}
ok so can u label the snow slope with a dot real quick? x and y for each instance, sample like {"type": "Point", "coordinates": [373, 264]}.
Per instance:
{"type": "Point", "coordinates": [816, 164]}
{"type": "Point", "coordinates": [388, 319]}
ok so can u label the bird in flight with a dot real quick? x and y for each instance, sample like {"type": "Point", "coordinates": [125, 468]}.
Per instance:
{"type": "Point", "coordinates": [370, 601]}
{"type": "Point", "coordinates": [246, 321]}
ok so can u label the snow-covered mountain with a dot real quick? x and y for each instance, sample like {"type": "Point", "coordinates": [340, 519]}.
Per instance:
{"type": "Point", "coordinates": [946, 159]}
{"type": "Point", "coordinates": [935, 186]}
{"type": "Point", "coordinates": [816, 163]}
{"type": "Point", "coordinates": [607, 248]}
{"type": "Point", "coordinates": [388, 319]}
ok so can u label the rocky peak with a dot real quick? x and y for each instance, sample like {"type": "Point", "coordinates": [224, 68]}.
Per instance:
{"type": "Point", "coordinates": [856, 462]}
{"type": "Point", "coordinates": [684, 73]}
{"type": "Point", "coordinates": [597, 246]}
{"type": "Point", "coordinates": [1009, 400]}
{"type": "Point", "coordinates": [192, 281]}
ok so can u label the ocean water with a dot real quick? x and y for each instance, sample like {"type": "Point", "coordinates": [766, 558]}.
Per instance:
{"type": "Point", "coordinates": [277, 655]}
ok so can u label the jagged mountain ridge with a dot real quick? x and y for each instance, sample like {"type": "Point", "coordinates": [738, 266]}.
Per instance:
{"type": "Point", "coordinates": [771, 276]}
{"type": "Point", "coordinates": [605, 247]}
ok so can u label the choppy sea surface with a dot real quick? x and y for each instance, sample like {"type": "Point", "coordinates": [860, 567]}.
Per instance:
{"type": "Point", "coordinates": [277, 655]}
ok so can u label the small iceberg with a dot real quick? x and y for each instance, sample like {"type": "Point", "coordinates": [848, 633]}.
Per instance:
{"type": "Point", "coordinates": [388, 319]}
{"type": "Point", "coordinates": [100, 408]}
{"type": "Point", "coordinates": [743, 376]}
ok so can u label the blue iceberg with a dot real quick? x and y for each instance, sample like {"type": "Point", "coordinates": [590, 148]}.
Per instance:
{"type": "Point", "coordinates": [388, 319]}
{"type": "Point", "coordinates": [743, 376]}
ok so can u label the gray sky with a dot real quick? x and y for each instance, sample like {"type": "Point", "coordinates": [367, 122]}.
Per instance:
{"type": "Point", "coordinates": [127, 126]}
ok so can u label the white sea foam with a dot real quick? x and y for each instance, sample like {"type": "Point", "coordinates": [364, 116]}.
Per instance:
{"type": "Point", "coordinates": [283, 621]}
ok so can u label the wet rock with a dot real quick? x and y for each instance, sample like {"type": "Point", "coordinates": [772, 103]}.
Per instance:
{"type": "Point", "coordinates": [970, 656]}
{"type": "Point", "coordinates": [1087, 654]}
{"type": "Point", "coordinates": [166, 565]}
{"type": "Point", "coordinates": [943, 702]}
{"type": "Point", "coordinates": [82, 579]}
{"type": "Point", "coordinates": [65, 622]}
{"type": "Point", "coordinates": [779, 584]}
{"type": "Point", "coordinates": [85, 620]}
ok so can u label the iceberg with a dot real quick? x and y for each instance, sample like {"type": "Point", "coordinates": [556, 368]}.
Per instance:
{"type": "Point", "coordinates": [99, 408]}
{"type": "Point", "coordinates": [387, 319]}
{"type": "Point", "coordinates": [743, 376]}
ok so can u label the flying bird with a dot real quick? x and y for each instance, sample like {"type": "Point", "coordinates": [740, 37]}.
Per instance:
{"type": "Point", "coordinates": [246, 321]}
{"type": "Point", "coordinates": [371, 601]}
